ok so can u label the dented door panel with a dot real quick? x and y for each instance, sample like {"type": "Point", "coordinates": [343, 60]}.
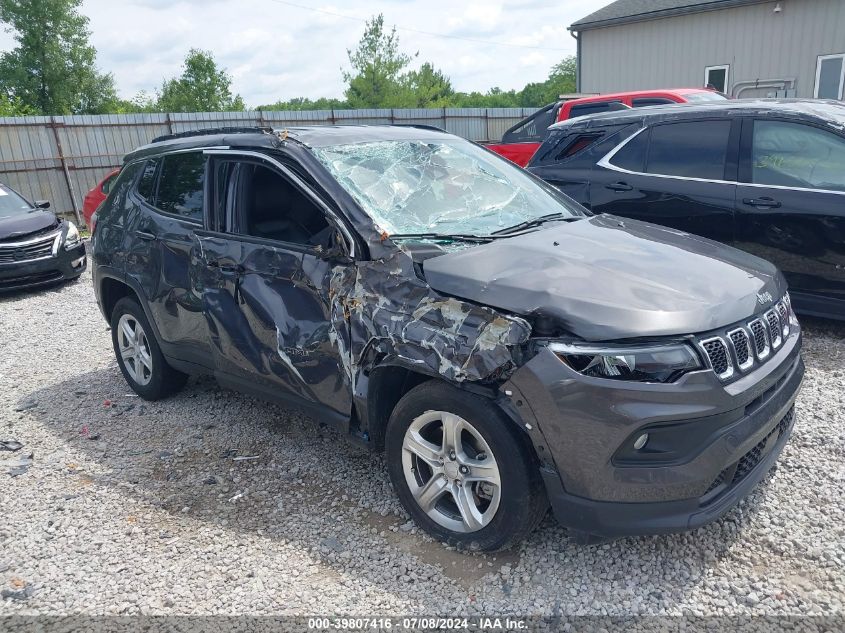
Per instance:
{"type": "Point", "coordinates": [269, 319]}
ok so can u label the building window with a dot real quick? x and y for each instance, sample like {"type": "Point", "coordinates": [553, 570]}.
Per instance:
{"type": "Point", "coordinates": [716, 77]}
{"type": "Point", "coordinates": [830, 76]}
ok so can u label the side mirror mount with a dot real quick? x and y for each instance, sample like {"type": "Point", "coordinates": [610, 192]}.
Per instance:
{"type": "Point", "coordinates": [335, 254]}
{"type": "Point", "coordinates": [42, 204]}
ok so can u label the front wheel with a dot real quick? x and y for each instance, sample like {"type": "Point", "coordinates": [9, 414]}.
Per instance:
{"type": "Point", "coordinates": [462, 469]}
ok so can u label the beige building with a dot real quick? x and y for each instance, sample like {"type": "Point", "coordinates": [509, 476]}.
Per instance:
{"type": "Point", "coordinates": [746, 48]}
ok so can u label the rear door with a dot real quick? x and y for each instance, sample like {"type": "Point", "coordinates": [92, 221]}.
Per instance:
{"type": "Point", "coordinates": [169, 199]}
{"type": "Point", "coordinates": [679, 174]}
{"type": "Point", "coordinates": [267, 285]}
{"type": "Point", "coordinates": [791, 204]}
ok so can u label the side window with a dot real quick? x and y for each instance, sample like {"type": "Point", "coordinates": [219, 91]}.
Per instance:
{"type": "Point", "coordinates": [632, 155]}
{"type": "Point", "coordinates": [643, 102]}
{"type": "Point", "coordinates": [181, 184]}
{"type": "Point", "coordinates": [107, 183]}
{"type": "Point", "coordinates": [796, 155]}
{"type": "Point", "coordinates": [147, 182]}
{"type": "Point", "coordinates": [271, 207]}
{"type": "Point", "coordinates": [697, 149]}
{"type": "Point", "coordinates": [534, 129]}
{"type": "Point", "coordinates": [578, 144]}
{"type": "Point", "coordinates": [592, 108]}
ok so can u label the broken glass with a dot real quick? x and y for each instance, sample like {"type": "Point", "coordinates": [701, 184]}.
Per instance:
{"type": "Point", "coordinates": [439, 186]}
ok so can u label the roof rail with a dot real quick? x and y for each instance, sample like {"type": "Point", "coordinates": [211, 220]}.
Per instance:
{"type": "Point", "coordinates": [214, 130]}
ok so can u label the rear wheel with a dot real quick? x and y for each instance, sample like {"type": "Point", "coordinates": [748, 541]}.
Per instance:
{"type": "Point", "coordinates": [462, 470]}
{"type": "Point", "coordinates": [138, 354]}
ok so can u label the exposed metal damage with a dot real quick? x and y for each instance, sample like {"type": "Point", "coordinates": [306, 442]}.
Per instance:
{"type": "Point", "coordinates": [381, 310]}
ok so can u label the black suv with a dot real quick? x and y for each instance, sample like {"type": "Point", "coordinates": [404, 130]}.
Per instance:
{"type": "Point", "coordinates": [505, 347]}
{"type": "Point", "coordinates": [766, 176]}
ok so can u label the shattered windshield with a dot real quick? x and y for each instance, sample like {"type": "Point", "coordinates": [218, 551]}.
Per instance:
{"type": "Point", "coordinates": [440, 186]}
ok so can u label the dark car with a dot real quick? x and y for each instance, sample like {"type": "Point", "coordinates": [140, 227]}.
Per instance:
{"type": "Point", "coordinates": [766, 176]}
{"type": "Point", "coordinates": [505, 347]}
{"type": "Point", "coordinates": [520, 142]}
{"type": "Point", "coordinates": [36, 247]}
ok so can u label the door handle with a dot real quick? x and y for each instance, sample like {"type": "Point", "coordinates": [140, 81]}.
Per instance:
{"type": "Point", "coordinates": [619, 186]}
{"type": "Point", "coordinates": [762, 203]}
{"type": "Point", "coordinates": [145, 235]}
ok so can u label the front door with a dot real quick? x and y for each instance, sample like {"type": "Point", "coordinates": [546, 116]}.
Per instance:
{"type": "Point", "coordinates": [679, 175]}
{"type": "Point", "coordinates": [791, 206]}
{"type": "Point", "coordinates": [266, 289]}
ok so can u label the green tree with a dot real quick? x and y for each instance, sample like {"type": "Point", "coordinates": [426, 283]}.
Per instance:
{"type": "Point", "coordinates": [304, 103]}
{"type": "Point", "coordinates": [12, 106]}
{"type": "Point", "coordinates": [427, 88]}
{"type": "Point", "coordinates": [561, 78]}
{"type": "Point", "coordinates": [201, 87]}
{"type": "Point", "coordinates": [377, 67]}
{"type": "Point", "coordinates": [52, 69]}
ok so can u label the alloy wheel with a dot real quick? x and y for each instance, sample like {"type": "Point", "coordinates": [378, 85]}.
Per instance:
{"type": "Point", "coordinates": [451, 471]}
{"type": "Point", "coordinates": [134, 349]}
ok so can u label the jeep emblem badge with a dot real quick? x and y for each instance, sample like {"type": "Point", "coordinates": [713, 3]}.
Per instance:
{"type": "Point", "coordinates": [763, 298]}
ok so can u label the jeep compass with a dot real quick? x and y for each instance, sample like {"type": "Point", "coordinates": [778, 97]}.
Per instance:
{"type": "Point", "coordinates": [507, 349]}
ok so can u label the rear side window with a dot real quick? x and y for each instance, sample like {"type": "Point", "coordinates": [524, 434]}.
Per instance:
{"type": "Point", "coordinates": [181, 185]}
{"type": "Point", "coordinates": [107, 183]}
{"type": "Point", "coordinates": [578, 144]}
{"type": "Point", "coordinates": [632, 155]}
{"type": "Point", "coordinates": [147, 182]}
{"type": "Point", "coordinates": [592, 108]}
{"type": "Point", "coordinates": [695, 149]}
{"type": "Point", "coordinates": [643, 102]}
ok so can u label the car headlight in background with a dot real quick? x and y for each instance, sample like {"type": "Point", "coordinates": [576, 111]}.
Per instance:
{"type": "Point", "coordinates": [643, 363]}
{"type": "Point", "coordinates": [72, 238]}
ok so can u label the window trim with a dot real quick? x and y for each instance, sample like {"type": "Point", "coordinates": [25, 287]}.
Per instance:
{"type": "Point", "coordinates": [298, 183]}
{"type": "Point", "coordinates": [744, 175]}
{"type": "Point", "coordinates": [819, 61]}
{"type": "Point", "coordinates": [606, 164]}
{"type": "Point", "coordinates": [726, 68]}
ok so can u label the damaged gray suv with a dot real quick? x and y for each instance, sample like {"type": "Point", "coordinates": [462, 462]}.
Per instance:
{"type": "Point", "coordinates": [507, 349]}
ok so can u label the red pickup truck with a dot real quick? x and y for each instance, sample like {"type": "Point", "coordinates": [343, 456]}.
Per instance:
{"type": "Point", "coordinates": [521, 141]}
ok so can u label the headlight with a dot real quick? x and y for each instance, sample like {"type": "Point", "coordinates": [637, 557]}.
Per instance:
{"type": "Point", "coordinates": [72, 239]}
{"type": "Point", "coordinates": [646, 363]}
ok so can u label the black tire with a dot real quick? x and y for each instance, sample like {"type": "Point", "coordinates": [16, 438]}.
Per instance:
{"type": "Point", "coordinates": [522, 503]}
{"type": "Point", "coordinates": [164, 380]}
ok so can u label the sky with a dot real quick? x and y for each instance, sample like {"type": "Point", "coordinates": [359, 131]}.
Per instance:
{"type": "Point", "coordinates": [275, 51]}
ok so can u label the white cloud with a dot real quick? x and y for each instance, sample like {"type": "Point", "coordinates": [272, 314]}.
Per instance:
{"type": "Point", "coordinates": [276, 51]}
{"type": "Point", "coordinates": [534, 58]}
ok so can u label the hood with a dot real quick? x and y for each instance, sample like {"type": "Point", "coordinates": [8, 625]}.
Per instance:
{"type": "Point", "coordinates": [605, 278]}
{"type": "Point", "coordinates": [25, 224]}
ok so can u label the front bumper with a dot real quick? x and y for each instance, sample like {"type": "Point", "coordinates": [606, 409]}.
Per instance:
{"type": "Point", "coordinates": [65, 264]}
{"type": "Point", "coordinates": [579, 424]}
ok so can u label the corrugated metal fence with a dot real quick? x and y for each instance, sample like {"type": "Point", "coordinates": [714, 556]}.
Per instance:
{"type": "Point", "coordinates": [61, 158]}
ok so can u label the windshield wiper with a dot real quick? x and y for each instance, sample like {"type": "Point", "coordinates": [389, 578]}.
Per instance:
{"type": "Point", "coordinates": [551, 217]}
{"type": "Point", "coordinates": [455, 237]}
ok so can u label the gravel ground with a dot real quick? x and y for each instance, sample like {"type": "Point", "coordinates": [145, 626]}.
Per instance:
{"type": "Point", "coordinates": [131, 507]}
